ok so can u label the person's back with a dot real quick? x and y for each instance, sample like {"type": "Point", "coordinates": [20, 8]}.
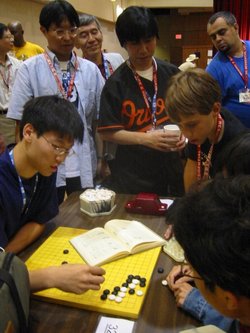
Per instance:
{"type": "Point", "coordinates": [229, 65]}
{"type": "Point", "coordinates": [22, 49]}
{"type": "Point", "coordinates": [218, 224]}
{"type": "Point", "coordinates": [133, 114]}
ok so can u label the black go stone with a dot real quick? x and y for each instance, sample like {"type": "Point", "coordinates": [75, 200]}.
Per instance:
{"type": "Point", "coordinates": [125, 284]}
{"type": "Point", "coordinates": [65, 251]}
{"type": "Point", "coordinates": [142, 284]}
{"type": "Point", "coordinates": [130, 276]}
{"type": "Point", "coordinates": [143, 280]}
{"type": "Point", "coordinates": [103, 297]}
{"type": "Point", "coordinates": [115, 293]}
{"type": "Point", "coordinates": [117, 288]}
{"type": "Point", "coordinates": [64, 262]}
{"type": "Point", "coordinates": [131, 291]}
{"type": "Point", "coordinates": [137, 277]}
{"type": "Point", "coordinates": [160, 270]}
{"type": "Point", "coordinates": [106, 291]}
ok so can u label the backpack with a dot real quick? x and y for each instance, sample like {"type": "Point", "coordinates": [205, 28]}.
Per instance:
{"type": "Point", "coordinates": [14, 294]}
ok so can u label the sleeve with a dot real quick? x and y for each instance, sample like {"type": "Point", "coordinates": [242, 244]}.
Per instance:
{"type": "Point", "coordinates": [99, 86]}
{"type": "Point", "coordinates": [21, 93]}
{"type": "Point", "coordinates": [197, 306]}
{"type": "Point", "coordinates": [110, 108]}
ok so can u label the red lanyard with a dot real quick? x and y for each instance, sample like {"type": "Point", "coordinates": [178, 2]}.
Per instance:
{"type": "Point", "coordinates": [245, 76]}
{"type": "Point", "coordinates": [209, 156]}
{"type": "Point", "coordinates": [146, 97]}
{"type": "Point", "coordinates": [65, 94]}
{"type": "Point", "coordinates": [6, 81]}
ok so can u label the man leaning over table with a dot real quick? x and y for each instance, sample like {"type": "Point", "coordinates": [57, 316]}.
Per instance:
{"type": "Point", "coordinates": [28, 198]}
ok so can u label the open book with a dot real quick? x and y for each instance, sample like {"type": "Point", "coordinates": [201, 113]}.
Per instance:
{"type": "Point", "coordinates": [118, 239]}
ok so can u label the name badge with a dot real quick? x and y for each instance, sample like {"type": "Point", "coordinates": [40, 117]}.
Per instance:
{"type": "Point", "coordinates": [244, 96]}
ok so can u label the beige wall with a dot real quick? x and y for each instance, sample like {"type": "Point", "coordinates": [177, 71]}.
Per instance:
{"type": "Point", "coordinates": [27, 11]}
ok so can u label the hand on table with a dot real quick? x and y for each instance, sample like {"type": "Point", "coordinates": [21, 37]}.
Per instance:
{"type": "Point", "coordinates": [179, 283]}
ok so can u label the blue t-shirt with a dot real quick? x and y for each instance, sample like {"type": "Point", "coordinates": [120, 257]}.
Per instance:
{"type": "Point", "coordinates": [231, 83]}
{"type": "Point", "coordinates": [42, 205]}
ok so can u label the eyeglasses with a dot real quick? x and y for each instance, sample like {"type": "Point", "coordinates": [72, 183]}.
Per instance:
{"type": "Point", "coordinates": [58, 150]}
{"type": "Point", "coordinates": [62, 32]}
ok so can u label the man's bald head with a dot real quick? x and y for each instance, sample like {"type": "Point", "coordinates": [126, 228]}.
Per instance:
{"type": "Point", "coordinates": [16, 30]}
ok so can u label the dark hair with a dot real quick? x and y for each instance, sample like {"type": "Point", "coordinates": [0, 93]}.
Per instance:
{"type": "Point", "coordinates": [3, 28]}
{"type": "Point", "coordinates": [235, 157]}
{"type": "Point", "coordinates": [57, 11]}
{"type": "Point", "coordinates": [52, 113]}
{"type": "Point", "coordinates": [136, 23]}
{"type": "Point", "coordinates": [86, 19]}
{"type": "Point", "coordinates": [213, 227]}
{"type": "Point", "coordinates": [191, 92]}
{"type": "Point", "coordinates": [227, 16]}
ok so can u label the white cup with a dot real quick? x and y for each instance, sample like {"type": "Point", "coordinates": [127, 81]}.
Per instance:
{"type": "Point", "coordinates": [173, 129]}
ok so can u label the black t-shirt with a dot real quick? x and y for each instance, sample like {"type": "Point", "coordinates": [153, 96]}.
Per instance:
{"type": "Point", "coordinates": [137, 168]}
{"type": "Point", "coordinates": [232, 127]}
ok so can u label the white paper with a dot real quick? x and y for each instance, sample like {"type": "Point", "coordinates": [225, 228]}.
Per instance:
{"type": "Point", "coordinates": [210, 53]}
{"type": "Point", "coordinates": [114, 325]}
{"type": "Point", "coordinates": [167, 201]}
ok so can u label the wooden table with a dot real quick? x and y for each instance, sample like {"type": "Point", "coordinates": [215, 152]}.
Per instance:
{"type": "Point", "coordinates": [159, 313]}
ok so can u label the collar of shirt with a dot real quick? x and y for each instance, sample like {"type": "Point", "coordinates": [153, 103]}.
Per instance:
{"type": "Point", "coordinates": [56, 62]}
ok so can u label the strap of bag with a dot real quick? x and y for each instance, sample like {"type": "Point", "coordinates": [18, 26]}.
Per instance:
{"type": "Point", "coordinates": [6, 277]}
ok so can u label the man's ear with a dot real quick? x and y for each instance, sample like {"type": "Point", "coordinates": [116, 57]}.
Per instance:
{"type": "Point", "coordinates": [43, 30]}
{"type": "Point", "coordinates": [232, 301]}
{"type": "Point", "coordinates": [28, 132]}
{"type": "Point", "coordinates": [216, 108]}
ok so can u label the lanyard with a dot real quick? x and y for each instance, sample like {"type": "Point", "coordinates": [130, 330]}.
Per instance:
{"type": "Point", "coordinates": [245, 76]}
{"type": "Point", "coordinates": [23, 193]}
{"type": "Point", "coordinates": [147, 99]}
{"type": "Point", "coordinates": [207, 163]}
{"type": "Point", "coordinates": [6, 80]}
{"type": "Point", "coordinates": [66, 92]}
{"type": "Point", "coordinates": [108, 69]}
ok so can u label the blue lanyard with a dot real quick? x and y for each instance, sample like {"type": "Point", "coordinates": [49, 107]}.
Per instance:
{"type": "Point", "coordinates": [23, 193]}
{"type": "Point", "coordinates": [108, 70]}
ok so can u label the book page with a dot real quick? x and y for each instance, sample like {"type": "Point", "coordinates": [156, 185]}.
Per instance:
{"type": "Point", "coordinates": [96, 246]}
{"type": "Point", "coordinates": [133, 233]}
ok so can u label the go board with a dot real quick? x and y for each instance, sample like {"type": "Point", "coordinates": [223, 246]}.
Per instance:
{"type": "Point", "coordinates": [51, 252]}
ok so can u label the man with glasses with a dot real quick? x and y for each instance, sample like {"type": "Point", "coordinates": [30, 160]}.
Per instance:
{"type": "Point", "coordinates": [28, 197]}
{"type": "Point", "coordinates": [213, 227]}
{"type": "Point", "coordinates": [8, 69]}
{"type": "Point", "coordinates": [60, 71]}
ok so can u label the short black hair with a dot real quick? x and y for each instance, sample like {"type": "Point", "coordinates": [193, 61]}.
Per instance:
{"type": "Point", "coordinates": [213, 227]}
{"type": "Point", "coordinates": [136, 23]}
{"type": "Point", "coordinates": [3, 28]}
{"type": "Point", "coordinates": [227, 16]}
{"type": "Point", "coordinates": [235, 157]}
{"type": "Point", "coordinates": [52, 114]}
{"type": "Point", "coordinates": [57, 11]}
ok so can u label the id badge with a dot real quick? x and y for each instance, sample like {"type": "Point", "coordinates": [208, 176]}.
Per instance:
{"type": "Point", "coordinates": [244, 96]}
